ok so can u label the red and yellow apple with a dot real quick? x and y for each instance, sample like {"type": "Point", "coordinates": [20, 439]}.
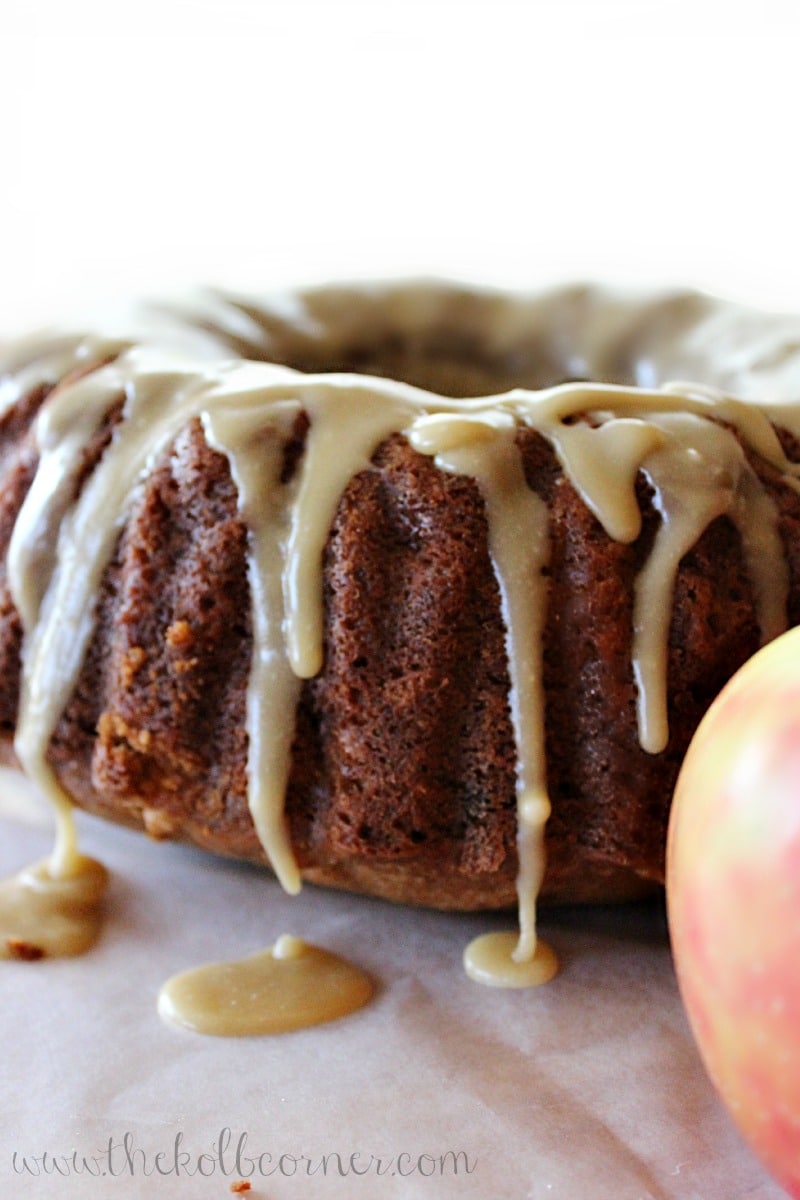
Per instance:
{"type": "Point", "coordinates": [733, 898]}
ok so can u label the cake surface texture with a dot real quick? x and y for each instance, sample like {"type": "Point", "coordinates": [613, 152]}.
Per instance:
{"type": "Point", "coordinates": [385, 585]}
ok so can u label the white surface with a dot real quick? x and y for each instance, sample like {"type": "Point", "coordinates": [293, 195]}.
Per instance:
{"type": "Point", "coordinates": [148, 146]}
{"type": "Point", "coordinates": [587, 1088]}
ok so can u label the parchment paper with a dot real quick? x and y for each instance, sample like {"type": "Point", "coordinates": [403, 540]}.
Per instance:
{"type": "Point", "coordinates": [586, 1089]}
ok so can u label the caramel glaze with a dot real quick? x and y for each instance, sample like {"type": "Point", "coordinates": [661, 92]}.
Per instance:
{"type": "Point", "coordinates": [294, 442]}
{"type": "Point", "coordinates": [49, 911]}
{"type": "Point", "coordinates": [289, 986]}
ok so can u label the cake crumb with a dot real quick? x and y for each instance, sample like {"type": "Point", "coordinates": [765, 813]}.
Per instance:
{"type": "Point", "coordinates": [179, 638]}
{"type": "Point", "coordinates": [115, 730]}
{"type": "Point", "coordinates": [158, 824]}
{"type": "Point", "coordinates": [184, 664]}
{"type": "Point", "coordinates": [24, 951]}
{"type": "Point", "coordinates": [132, 663]}
{"type": "Point", "coordinates": [241, 1185]}
{"type": "Point", "coordinates": [179, 634]}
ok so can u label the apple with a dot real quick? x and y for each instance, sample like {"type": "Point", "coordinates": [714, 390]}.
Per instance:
{"type": "Point", "coordinates": [733, 900]}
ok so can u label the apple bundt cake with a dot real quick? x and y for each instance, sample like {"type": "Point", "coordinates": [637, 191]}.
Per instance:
{"type": "Point", "coordinates": [395, 587]}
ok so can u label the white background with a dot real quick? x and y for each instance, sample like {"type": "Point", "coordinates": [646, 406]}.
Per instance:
{"type": "Point", "coordinates": [149, 146]}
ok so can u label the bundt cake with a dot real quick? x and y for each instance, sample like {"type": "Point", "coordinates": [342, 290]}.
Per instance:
{"type": "Point", "coordinates": [280, 579]}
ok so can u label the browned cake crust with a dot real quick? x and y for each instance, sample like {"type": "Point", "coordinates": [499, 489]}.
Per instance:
{"type": "Point", "coordinates": [404, 760]}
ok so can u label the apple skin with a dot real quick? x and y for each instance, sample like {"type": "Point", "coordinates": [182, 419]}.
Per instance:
{"type": "Point", "coordinates": [733, 900]}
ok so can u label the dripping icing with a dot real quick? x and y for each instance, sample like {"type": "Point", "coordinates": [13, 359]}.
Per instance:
{"type": "Point", "coordinates": [484, 447]}
{"type": "Point", "coordinates": [53, 908]}
{"type": "Point", "coordinates": [289, 986]}
{"type": "Point", "coordinates": [61, 545]}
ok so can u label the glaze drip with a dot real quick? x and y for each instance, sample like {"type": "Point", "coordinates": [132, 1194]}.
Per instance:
{"type": "Point", "coordinates": [484, 448]}
{"type": "Point", "coordinates": [292, 985]}
{"type": "Point", "coordinates": [46, 913]}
